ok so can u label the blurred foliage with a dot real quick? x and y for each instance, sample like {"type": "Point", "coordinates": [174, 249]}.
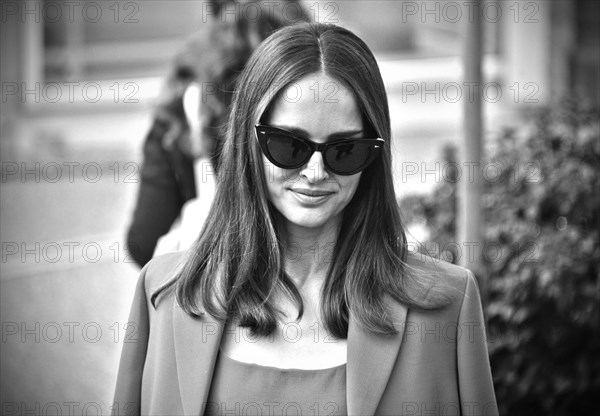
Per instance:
{"type": "Point", "coordinates": [542, 259]}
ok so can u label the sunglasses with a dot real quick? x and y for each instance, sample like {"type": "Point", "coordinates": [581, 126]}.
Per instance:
{"type": "Point", "coordinates": [287, 150]}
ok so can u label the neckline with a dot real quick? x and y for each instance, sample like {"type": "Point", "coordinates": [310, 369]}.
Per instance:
{"type": "Point", "coordinates": [281, 369]}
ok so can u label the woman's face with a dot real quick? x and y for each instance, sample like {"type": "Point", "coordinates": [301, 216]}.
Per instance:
{"type": "Point", "coordinates": [320, 109]}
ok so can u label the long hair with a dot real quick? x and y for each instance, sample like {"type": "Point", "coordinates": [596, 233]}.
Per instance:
{"type": "Point", "coordinates": [236, 265]}
{"type": "Point", "coordinates": [214, 56]}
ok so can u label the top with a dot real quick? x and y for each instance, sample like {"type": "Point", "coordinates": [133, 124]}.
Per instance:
{"type": "Point", "coordinates": [240, 388]}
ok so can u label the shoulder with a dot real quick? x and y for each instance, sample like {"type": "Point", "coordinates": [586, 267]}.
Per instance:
{"type": "Point", "coordinates": [454, 281]}
{"type": "Point", "coordinates": [160, 270]}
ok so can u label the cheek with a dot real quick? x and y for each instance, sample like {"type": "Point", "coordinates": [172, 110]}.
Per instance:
{"type": "Point", "coordinates": [277, 179]}
{"type": "Point", "coordinates": [351, 185]}
{"type": "Point", "coordinates": [272, 174]}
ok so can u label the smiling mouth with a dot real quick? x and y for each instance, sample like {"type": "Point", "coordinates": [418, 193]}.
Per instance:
{"type": "Point", "coordinates": [312, 193]}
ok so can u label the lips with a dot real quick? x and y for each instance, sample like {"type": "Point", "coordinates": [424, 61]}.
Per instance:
{"type": "Point", "coordinates": [311, 197]}
{"type": "Point", "coordinates": [312, 192]}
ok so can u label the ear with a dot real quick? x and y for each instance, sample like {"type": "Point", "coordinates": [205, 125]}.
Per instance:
{"type": "Point", "coordinates": [191, 106]}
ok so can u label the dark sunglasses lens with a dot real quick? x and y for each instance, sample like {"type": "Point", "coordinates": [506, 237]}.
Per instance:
{"type": "Point", "coordinates": [349, 156]}
{"type": "Point", "coordinates": [287, 150]}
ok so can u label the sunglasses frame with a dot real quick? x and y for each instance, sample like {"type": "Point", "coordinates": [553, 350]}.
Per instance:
{"type": "Point", "coordinates": [263, 130]}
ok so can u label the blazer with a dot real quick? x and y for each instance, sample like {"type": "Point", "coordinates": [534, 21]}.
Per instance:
{"type": "Point", "coordinates": [437, 363]}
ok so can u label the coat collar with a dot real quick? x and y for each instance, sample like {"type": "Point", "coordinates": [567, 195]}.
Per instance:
{"type": "Point", "coordinates": [371, 359]}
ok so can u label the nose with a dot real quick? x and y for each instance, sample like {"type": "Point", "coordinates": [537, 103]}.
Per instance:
{"type": "Point", "coordinates": [314, 170]}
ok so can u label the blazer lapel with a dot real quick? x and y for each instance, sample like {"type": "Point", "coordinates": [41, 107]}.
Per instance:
{"type": "Point", "coordinates": [197, 343]}
{"type": "Point", "coordinates": [370, 362]}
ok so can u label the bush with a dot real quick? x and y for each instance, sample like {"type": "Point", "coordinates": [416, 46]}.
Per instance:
{"type": "Point", "coordinates": [542, 260]}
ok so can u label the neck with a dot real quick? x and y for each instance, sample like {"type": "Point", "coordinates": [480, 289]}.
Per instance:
{"type": "Point", "coordinates": [308, 252]}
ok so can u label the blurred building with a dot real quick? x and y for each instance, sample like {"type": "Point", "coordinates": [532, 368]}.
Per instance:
{"type": "Point", "coordinates": [553, 42]}
{"type": "Point", "coordinates": [542, 50]}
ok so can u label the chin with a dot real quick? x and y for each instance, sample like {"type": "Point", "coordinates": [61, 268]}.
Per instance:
{"type": "Point", "coordinates": [309, 221]}
{"type": "Point", "coordinates": [312, 224]}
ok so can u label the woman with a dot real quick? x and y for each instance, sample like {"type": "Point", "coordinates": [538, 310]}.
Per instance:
{"type": "Point", "coordinates": [213, 57]}
{"type": "Point", "coordinates": [299, 296]}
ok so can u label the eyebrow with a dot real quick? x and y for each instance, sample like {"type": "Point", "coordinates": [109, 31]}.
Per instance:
{"type": "Point", "coordinates": [303, 133]}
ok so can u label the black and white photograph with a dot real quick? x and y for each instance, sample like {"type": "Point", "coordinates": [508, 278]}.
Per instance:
{"type": "Point", "coordinates": [300, 207]}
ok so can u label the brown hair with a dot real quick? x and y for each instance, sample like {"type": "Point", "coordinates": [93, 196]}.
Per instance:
{"type": "Point", "coordinates": [237, 263]}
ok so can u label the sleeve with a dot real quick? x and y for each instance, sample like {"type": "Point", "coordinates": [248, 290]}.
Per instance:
{"type": "Point", "coordinates": [159, 199]}
{"type": "Point", "coordinates": [475, 383]}
{"type": "Point", "coordinates": [127, 398]}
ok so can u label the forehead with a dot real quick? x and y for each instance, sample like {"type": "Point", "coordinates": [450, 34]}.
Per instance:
{"type": "Point", "coordinates": [318, 104]}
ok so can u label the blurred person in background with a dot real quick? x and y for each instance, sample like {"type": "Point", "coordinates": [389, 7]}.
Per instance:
{"type": "Point", "coordinates": [300, 295]}
{"type": "Point", "coordinates": [188, 121]}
